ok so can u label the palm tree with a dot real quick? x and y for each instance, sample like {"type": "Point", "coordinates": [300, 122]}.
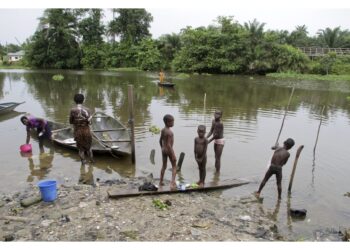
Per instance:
{"type": "Point", "coordinates": [255, 29]}
{"type": "Point", "coordinates": [330, 37]}
{"type": "Point", "coordinates": [298, 37]}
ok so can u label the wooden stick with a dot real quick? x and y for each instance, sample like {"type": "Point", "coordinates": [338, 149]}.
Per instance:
{"type": "Point", "coordinates": [318, 131]}
{"type": "Point", "coordinates": [115, 140]}
{"type": "Point", "coordinates": [131, 120]}
{"type": "Point", "coordinates": [181, 159]}
{"type": "Point", "coordinates": [294, 167]}
{"type": "Point", "coordinates": [284, 117]}
{"type": "Point", "coordinates": [153, 152]}
{"type": "Point", "coordinates": [15, 218]}
{"type": "Point", "coordinates": [108, 130]}
{"type": "Point", "coordinates": [204, 105]}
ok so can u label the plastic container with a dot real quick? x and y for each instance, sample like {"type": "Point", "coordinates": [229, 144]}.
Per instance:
{"type": "Point", "coordinates": [26, 148]}
{"type": "Point", "coordinates": [48, 190]}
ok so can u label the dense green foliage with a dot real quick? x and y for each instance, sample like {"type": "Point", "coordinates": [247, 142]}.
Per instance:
{"type": "Point", "coordinates": [77, 38]}
{"type": "Point", "coordinates": [55, 44]}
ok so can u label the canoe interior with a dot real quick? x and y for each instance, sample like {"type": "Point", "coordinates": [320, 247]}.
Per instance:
{"type": "Point", "coordinates": [65, 136]}
{"type": "Point", "coordinates": [111, 133]}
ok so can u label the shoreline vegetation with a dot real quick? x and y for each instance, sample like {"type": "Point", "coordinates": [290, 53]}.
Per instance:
{"type": "Point", "coordinates": [77, 39]}
{"type": "Point", "coordinates": [299, 76]}
{"type": "Point", "coordinates": [180, 75]}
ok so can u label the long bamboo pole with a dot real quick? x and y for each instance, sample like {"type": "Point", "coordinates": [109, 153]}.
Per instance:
{"type": "Point", "coordinates": [285, 114]}
{"type": "Point", "coordinates": [131, 120]}
{"type": "Point", "coordinates": [318, 131]}
{"type": "Point", "coordinates": [294, 167]}
{"type": "Point", "coordinates": [284, 117]}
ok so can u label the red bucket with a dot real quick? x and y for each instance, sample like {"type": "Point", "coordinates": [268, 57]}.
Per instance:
{"type": "Point", "coordinates": [26, 148]}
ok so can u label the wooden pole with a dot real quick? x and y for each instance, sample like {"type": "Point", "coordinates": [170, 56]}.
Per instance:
{"type": "Point", "coordinates": [318, 131]}
{"type": "Point", "coordinates": [204, 104]}
{"type": "Point", "coordinates": [181, 159]}
{"type": "Point", "coordinates": [131, 120]}
{"type": "Point", "coordinates": [153, 152]}
{"type": "Point", "coordinates": [294, 167]}
{"type": "Point", "coordinates": [284, 117]}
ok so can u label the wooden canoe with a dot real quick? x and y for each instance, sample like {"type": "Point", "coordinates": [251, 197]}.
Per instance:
{"type": "Point", "coordinates": [65, 137]}
{"type": "Point", "coordinates": [8, 106]}
{"type": "Point", "coordinates": [10, 115]}
{"type": "Point", "coordinates": [166, 84]}
{"type": "Point", "coordinates": [111, 133]}
{"type": "Point", "coordinates": [118, 193]}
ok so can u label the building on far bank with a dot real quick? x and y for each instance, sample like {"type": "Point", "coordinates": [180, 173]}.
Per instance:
{"type": "Point", "coordinates": [15, 56]}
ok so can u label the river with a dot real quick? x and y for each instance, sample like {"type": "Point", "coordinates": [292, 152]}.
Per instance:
{"type": "Point", "coordinates": [253, 110]}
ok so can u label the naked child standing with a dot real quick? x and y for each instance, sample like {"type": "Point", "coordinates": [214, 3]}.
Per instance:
{"type": "Point", "coordinates": [166, 142]}
{"type": "Point", "coordinates": [217, 130]}
{"type": "Point", "coordinates": [200, 153]}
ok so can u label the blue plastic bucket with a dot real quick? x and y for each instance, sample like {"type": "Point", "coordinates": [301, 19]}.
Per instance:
{"type": "Point", "coordinates": [48, 190]}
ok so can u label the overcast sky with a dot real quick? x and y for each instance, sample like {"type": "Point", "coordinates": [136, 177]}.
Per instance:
{"type": "Point", "coordinates": [21, 23]}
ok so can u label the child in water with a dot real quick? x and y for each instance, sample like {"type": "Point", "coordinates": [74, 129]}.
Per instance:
{"type": "Point", "coordinates": [217, 130]}
{"type": "Point", "coordinates": [279, 158]}
{"type": "Point", "coordinates": [166, 142]}
{"type": "Point", "coordinates": [200, 153]}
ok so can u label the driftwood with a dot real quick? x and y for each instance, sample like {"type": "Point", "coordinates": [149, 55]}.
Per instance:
{"type": "Point", "coordinates": [294, 167]}
{"type": "Point", "coordinates": [15, 218]}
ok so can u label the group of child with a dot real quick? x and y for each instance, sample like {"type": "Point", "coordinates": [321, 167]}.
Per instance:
{"type": "Point", "coordinates": [279, 158]}
{"type": "Point", "coordinates": [80, 117]}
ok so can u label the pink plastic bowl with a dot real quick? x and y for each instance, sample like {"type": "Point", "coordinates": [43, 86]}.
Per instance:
{"type": "Point", "coordinates": [25, 148]}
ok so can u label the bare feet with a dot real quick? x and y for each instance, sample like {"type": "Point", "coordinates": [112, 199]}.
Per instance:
{"type": "Point", "coordinates": [257, 195]}
{"type": "Point", "coordinates": [201, 184]}
{"type": "Point", "coordinates": [173, 186]}
{"type": "Point", "coordinates": [161, 183]}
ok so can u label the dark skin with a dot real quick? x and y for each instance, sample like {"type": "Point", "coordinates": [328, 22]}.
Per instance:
{"type": "Point", "coordinates": [279, 158]}
{"type": "Point", "coordinates": [166, 142]}
{"type": "Point", "coordinates": [200, 153]}
{"type": "Point", "coordinates": [217, 130]}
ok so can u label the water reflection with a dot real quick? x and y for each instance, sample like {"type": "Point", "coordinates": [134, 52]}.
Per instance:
{"type": "Point", "coordinates": [39, 165]}
{"type": "Point", "coordinates": [10, 115]}
{"type": "Point", "coordinates": [86, 177]}
{"type": "Point", "coordinates": [253, 109]}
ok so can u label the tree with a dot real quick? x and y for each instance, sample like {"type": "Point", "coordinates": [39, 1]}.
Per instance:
{"type": "Point", "coordinates": [131, 25]}
{"type": "Point", "coordinates": [330, 37]}
{"type": "Point", "coordinates": [168, 45]}
{"type": "Point", "coordinates": [328, 61]}
{"type": "Point", "coordinates": [91, 29]}
{"type": "Point", "coordinates": [55, 43]}
{"type": "Point", "coordinates": [256, 31]}
{"type": "Point", "coordinates": [90, 26]}
{"type": "Point", "coordinates": [298, 37]}
{"type": "Point", "coordinates": [148, 55]}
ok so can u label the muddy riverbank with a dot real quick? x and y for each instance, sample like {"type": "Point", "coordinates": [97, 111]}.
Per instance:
{"type": "Point", "coordinates": [85, 213]}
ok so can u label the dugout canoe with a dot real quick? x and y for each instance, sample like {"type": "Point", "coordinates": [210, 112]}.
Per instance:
{"type": "Point", "coordinates": [111, 133]}
{"type": "Point", "coordinates": [165, 84]}
{"type": "Point", "coordinates": [215, 185]}
{"type": "Point", "coordinates": [6, 107]}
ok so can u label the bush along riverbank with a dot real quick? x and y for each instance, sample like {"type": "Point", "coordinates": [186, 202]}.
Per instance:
{"type": "Point", "coordinates": [299, 76]}
{"type": "Point", "coordinates": [85, 213]}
